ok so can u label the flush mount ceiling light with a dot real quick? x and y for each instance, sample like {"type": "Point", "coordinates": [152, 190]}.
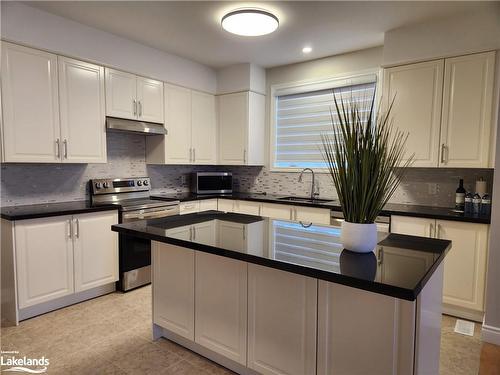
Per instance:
{"type": "Point", "coordinates": [250, 22]}
{"type": "Point", "coordinates": [307, 49]}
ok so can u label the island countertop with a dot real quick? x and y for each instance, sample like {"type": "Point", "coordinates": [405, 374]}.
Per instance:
{"type": "Point", "coordinates": [399, 267]}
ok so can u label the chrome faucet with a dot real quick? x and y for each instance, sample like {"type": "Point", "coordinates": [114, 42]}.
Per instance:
{"type": "Point", "coordinates": [313, 184]}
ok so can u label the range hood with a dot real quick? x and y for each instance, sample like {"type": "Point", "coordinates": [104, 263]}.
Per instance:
{"type": "Point", "coordinates": [132, 126]}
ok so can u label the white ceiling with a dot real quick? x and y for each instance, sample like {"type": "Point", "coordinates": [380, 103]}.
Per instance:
{"type": "Point", "coordinates": [192, 29]}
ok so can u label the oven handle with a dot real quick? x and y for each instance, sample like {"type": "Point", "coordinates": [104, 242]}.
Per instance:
{"type": "Point", "coordinates": [150, 215]}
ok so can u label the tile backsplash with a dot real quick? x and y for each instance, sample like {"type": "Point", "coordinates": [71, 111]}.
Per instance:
{"type": "Point", "coordinates": [42, 183]}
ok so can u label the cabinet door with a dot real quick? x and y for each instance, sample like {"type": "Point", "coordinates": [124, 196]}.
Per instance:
{"type": "Point", "coordinates": [225, 205]}
{"type": "Point", "coordinates": [204, 130]}
{"type": "Point", "coordinates": [233, 126]}
{"type": "Point", "coordinates": [221, 306]}
{"type": "Point", "coordinates": [232, 236]}
{"type": "Point", "coordinates": [467, 110]}
{"type": "Point", "coordinates": [82, 106]}
{"type": "Point", "coordinates": [173, 288]}
{"type": "Point", "coordinates": [413, 226]}
{"type": "Point", "coordinates": [150, 100]}
{"type": "Point", "coordinates": [121, 94]}
{"type": "Point", "coordinates": [205, 233]}
{"type": "Point", "coordinates": [208, 204]}
{"type": "Point", "coordinates": [44, 259]}
{"type": "Point", "coordinates": [95, 250]}
{"type": "Point", "coordinates": [247, 207]}
{"type": "Point", "coordinates": [256, 129]}
{"type": "Point", "coordinates": [282, 311]}
{"type": "Point", "coordinates": [277, 211]}
{"type": "Point", "coordinates": [178, 124]}
{"type": "Point", "coordinates": [465, 264]}
{"type": "Point", "coordinates": [418, 90]}
{"type": "Point", "coordinates": [30, 105]}
{"type": "Point", "coordinates": [312, 214]}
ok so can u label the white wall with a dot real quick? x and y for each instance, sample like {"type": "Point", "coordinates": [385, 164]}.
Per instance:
{"type": "Point", "coordinates": [30, 26]}
{"type": "Point", "coordinates": [241, 77]}
{"type": "Point", "coordinates": [472, 32]}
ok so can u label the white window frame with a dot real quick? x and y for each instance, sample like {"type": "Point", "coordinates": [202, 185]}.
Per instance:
{"type": "Point", "coordinates": [341, 80]}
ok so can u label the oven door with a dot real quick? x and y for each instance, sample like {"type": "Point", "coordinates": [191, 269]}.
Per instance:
{"type": "Point", "coordinates": [135, 253]}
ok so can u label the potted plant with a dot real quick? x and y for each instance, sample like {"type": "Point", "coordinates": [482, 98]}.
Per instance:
{"type": "Point", "coordinates": [365, 158]}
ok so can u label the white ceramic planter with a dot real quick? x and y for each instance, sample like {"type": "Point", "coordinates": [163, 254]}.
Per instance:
{"type": "Point", "coordinates": [360, 238]}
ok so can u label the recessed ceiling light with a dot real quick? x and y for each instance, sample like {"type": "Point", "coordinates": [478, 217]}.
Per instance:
{"type": "Point", "coordinates": [250, 22]}
{"type": "Point", "coordinates": [307, 50]}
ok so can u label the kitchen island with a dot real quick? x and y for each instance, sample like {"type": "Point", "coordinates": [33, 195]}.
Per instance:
{"type": "Point", "coordinates": [259, 295]}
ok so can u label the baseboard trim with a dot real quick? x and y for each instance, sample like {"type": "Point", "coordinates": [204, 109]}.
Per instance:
{"type": "Point", "coordinates": [462, 312]}
{"type": "Point", "coordinates": [45, 307]}
{"type": "Point", "coordinates": [490, 334]}
{"type": "Point", "coordinates": [238, 368]}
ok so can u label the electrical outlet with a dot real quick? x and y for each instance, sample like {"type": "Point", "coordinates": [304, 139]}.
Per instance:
{"type": "Point", "coordinates": [183, 179]}
{"type": "Point", "coordinates": [433, 188]}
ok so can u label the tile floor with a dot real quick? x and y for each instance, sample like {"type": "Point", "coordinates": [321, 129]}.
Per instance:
{"type": "Point", "coordinates": [111, 335]}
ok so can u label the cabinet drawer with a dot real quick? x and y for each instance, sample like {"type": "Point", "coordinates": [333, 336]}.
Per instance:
{"type": "Point", "coordinates": [189, 207]}
{"type": "Point", "coordinates": [208, 204]}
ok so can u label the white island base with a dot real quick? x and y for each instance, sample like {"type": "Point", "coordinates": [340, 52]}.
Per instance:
{"type": "Point", "coordinates": [256, 319]}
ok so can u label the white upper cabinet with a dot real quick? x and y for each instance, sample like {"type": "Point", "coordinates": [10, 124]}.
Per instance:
{"type": "Point", "coordinates": [82, 110]}
{"type": "Point", "coordinates": [417, 92]}
{"type": "Point", "coordinates": [149, 100]}
{"type": "Point", "coordinates": [178, 124]}
{"type": "Point", "coordinates": [241, 128]}
{"type": "Point", "coordinates": [121, 94]}
{"type": "Point", "coordinates": [133, 97]}
{"type": "Point", "coordinates": [191, 129]}
{"type": "Point", "coordinates": [203, 128]}
{"type": "Point", "coordinates": [31, 129]}
{"type": "Point", "coordinates": [446, 107]}
{"type": "Point", "coordinates": [467, 111]}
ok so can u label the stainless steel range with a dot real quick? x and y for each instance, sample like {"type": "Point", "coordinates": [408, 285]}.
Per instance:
{"type": "Point", "coordinates": [132, 195]}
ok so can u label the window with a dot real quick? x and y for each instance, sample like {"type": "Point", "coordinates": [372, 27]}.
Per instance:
{"type": "Point", "coordinates": [301, 117]}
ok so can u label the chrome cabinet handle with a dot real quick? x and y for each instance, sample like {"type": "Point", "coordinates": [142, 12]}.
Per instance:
{"type": "Point", "coordinates": [140, 108]}
{"type": "Point", "coordinates": [77, 228]}
{"type": "Point", "coordinates": [244, 232]}
{"type": "Point", "coordinates": [244, 156]}
{"type": "Point", "coordinates": [438, 231]}
{"type": "Point", "coordinates": [443, 150]}
{"type": "Point", "coordinates": [70, 229]}
{"type": "Point", "coordinates": [135, 107]}
{"type": "Point", "coordinates": [65, 143]}
{"type": "Point", "coordinates": [58, 148]}
{"type": "Point", "coordinates": [194, 233]}
{"type": "Point", "coordinates": [194, 155]}
{"type": "Point", "coordinates": [190, 233]}
{"type": "Point", "coordinates": [431, 226]}
{"type": "Point", "coordinates": [190, 155]}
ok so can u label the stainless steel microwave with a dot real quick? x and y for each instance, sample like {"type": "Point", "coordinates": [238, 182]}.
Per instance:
{"type": "Point", "coordinates": [212, 183]}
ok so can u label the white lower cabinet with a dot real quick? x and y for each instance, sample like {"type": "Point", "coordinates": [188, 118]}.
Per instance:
{"type": "Point", "coordinates": [311, 214]}
{"type": "Point", "coordinates": [221, 305]}
{"type": "Point", "coordinates": [464, 265]}
{"type": "Point", "coordinates": [58, 256]}
{"type": "Point", "coordinates": [277, 211]}
{"type": "Point", "coordinates": [95, 250]}
{"type": "Point", "coordinates": [173, 288]}
{"type": "Point", "coordinates": [44, 259]}
{"type": "Point", "coordinates": [208, 205]}
{"type": "Point", "coordinates": [189, 207]}
{"type": "Point", "coordinates": [384, 323]}
{"type": "Point", "coordinates": [282, 310]}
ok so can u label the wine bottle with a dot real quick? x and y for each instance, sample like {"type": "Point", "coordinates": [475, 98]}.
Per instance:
{"type": "Point", "coordinates": [460, 196]}
{"type": "Point", "coordinates": [485, 205]}
{"type": "Point", "coordinates": [468, 203]}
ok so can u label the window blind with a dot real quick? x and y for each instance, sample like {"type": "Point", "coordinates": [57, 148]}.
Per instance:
{"type": "Point", "coordinates": [302, 118]}
{"type": "Point", "coordinates": [314, 246]}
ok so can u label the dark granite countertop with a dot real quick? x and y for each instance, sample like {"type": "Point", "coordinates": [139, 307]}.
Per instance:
{"type": "Point", "coordinates": [431, 212]}
{"type": "Point", "coordinates": [310, 250]}
{"type": "Point", "coordinates": [34, 211]}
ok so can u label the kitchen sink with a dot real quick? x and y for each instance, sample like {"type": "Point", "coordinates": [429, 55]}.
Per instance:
{"type": "Point", "coordinates": [304, 199]}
